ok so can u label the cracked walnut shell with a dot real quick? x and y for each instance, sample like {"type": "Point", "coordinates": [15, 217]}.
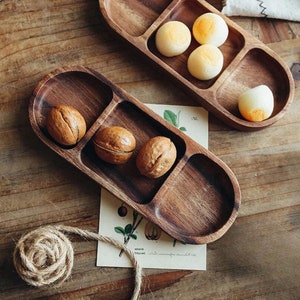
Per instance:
{"type": "Point", "coordinates": [114, 144]}
{"type": "Point", "coordinates": [156, 157]}
{"type": "Point", "coordinates": [66, 125]}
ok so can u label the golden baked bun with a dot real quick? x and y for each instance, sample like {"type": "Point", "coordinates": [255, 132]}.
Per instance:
{"type": "Point", "coordinates": [205, 62]}
{"type": "Point", "coordinates": [256, 104]}
{"type": "Point", "coordinates": [210, 28]}
{"type": "Point", "coordinates": [172, 38]}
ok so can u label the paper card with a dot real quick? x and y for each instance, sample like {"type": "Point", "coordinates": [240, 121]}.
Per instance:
{"type": "Point", "coordinates": [152, 247]}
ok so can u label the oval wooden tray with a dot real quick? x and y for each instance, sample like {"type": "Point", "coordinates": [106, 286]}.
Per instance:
{"type": "Point", "coordinates": [247, 61]}
{"type": "Point", "coordinates": [195, 202]}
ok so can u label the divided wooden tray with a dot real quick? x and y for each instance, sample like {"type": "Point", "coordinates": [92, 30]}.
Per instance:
{"type": "Point", "coordinates": [247, 61]}
{"type": "Point", "coordinates": [195, 202]}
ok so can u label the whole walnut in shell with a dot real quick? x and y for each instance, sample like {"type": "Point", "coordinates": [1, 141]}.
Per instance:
{"type": "Point", "coordinates": [156, 157]}
{"type": "Point", "coordinates": [114, 144]}
{"type": "Point", "coordinates": [66, 125]}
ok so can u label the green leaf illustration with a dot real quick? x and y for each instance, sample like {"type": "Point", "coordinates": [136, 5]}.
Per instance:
{"type": "Point", "coordinates": [182, 128]}
{"type": "Point", "coordinates": [133, 236]}
{"type": "Point", "coordinates": [128, 229]}
{"type": "Point", "coordinates": [119, 230]}
{"type": "Point", "coordinates": [171, 117]}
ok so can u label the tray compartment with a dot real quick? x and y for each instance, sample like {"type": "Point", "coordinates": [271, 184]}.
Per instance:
{"type": "Point", "coordinates": [135, 17]}
{"type": "Point", "coordinates": [187, 12]}
{"type": "Point", "coordinates": [78, 89]}
{"type": "Point", "coordinates": [208, 204]}
{"type": "Point", "coordinates": [126, 176]}
{"type": "Point", "coordinates": [256, 68]}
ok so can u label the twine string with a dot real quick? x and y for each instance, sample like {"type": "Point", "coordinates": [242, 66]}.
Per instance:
{"type": "Point", "coordinates": [45, 256]}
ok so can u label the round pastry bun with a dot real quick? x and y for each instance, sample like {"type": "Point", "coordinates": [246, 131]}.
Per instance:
{"type": "Point", "coordinates": [205, 62]}
{"type": "Point", "coordinates": [256, 104]}
{"type": "Point", "coordinates": [210, 28]}
{"type": "Point", "coordinates": [172, 38]}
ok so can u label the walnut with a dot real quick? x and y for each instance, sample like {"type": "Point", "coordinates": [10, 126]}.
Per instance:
{"type": "Point", "coordinates": [66, 125]}
{"type": "Point", "coordinates": [114, 144]}
{"type": "Point", "coordinates": [156, 157]}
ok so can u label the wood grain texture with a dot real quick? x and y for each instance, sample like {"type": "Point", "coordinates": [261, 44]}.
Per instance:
{"type": "Point", "coordinates": [247, 61]}
{"type": "Point", "coordinates": [257, 258]}
{"type": "Point", "coordinates": [198, 182]}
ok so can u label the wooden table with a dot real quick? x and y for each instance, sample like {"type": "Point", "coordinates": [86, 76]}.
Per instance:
{"type": "Point", "coordinates": [260, 255]}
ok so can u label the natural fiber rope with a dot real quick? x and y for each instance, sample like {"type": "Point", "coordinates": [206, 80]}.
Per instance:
{"type": "Point", "coordinates": [44, 257]}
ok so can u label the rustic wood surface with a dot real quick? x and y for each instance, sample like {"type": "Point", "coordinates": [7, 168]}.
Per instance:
{"type": "Point", "coordinates": [258, 258]}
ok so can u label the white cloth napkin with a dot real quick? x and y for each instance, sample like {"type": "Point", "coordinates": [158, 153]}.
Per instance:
{"type": "Point", "coordinates": [277, 9]}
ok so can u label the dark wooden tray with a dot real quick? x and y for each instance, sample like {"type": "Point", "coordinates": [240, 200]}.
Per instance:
{"type": "Point", "coordinates": [247, 61]}
{"type": "Point", "coordinates": [195, 202]}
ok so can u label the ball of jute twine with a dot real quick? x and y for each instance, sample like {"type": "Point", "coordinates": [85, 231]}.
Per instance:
{"type": "Point", "coordinates": [44, 257]}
